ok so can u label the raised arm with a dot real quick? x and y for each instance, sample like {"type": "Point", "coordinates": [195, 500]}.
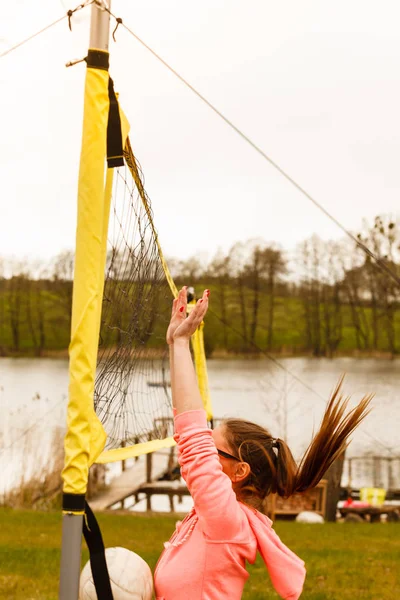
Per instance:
{"type": "Point", "coordinates": [211, 489]}
{"type": "Point", "coordinates": [185, 391]}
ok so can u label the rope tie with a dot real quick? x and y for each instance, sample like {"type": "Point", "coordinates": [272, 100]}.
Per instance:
{"type": "Point", "coordinates": [72, 11]}
{"type": "Point", "coordinates": [119, 22]}
{"type": "Point", "coordinates": [69, 15]}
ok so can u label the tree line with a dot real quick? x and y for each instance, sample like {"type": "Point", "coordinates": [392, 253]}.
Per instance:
{"type": "Point", "coordinates": [324, 298]}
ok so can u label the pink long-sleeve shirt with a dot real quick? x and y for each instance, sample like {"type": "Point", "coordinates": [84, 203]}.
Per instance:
{"type": "Point", "coordinates": [205, 559]}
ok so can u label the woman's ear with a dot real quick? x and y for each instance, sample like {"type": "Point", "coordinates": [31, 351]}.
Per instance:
{"type": "Point", "coordinates": [242, 471]}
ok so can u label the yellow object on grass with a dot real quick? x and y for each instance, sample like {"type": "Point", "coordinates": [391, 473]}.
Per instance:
{"type": "Point", "coordinates": [374, 496]}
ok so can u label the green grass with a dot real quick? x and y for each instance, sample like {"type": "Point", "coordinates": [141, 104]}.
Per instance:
{"type": "Point", "coordinates": [344, 561]}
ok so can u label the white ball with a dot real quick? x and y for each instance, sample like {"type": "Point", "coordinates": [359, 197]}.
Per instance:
{"type": "Point", "coordinates": [130, 577]}
{"type": "Point", "coordinates": [309, 517]}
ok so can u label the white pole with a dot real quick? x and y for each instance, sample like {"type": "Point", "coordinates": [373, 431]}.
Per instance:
{"type": "Point", "coordinates": [72, 524]}
{"type": "Point", "coordinates": [100, 27]}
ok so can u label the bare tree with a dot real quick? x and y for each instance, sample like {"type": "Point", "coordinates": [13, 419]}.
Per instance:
{"type": "Point", "coordinates": [36, 313]}
{"type": "Point", "coordinates": [2, 309]}
{"type": "Point", "coordinates": [320, 288]}
{"type": "Point", "coordinates": [16, 296]}
{"type": "Point", "coordinates": [332, 297]}
{"type": "Point", "coordinates": [253, 273]}
{"type": "Point", "coordinates": [191, 270]}
{"type": "Point", "coordinates": [355, 285]}
{"type": "Point", "coordinates": [237, 260]}
{"type": "Point", "coordinates": [384, 240]}
{"type": "Point", "coordinates": [62, 273]}
{"type": "Point", "coordinates": [220, 270]}
{"type": "Point", "coordinates": [274, 266]}
{"type": "Point", "coordinates": [310, 293]}
{"type": "Point", "coordinates": [263, 270]}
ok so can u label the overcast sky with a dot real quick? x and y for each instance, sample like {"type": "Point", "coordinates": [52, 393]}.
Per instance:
{"type": "Point", "coordinates": [315, 84]}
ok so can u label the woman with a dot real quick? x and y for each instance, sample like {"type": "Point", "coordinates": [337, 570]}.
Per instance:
{"type": "Point", "coordinates": [229, 472]}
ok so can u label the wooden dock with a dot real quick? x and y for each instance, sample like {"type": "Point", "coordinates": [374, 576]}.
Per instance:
{"type": "Point", "coordinates": [158, 474]}
{"type": "Point", "coordinates": [146, 470]}
{"type": "Point", "coordinates": [171, 489]}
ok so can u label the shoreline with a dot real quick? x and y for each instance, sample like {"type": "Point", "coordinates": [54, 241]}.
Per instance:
{"type": "Point", "coordinates": [224, 355]}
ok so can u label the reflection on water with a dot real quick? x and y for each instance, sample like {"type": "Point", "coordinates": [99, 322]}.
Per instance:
{"type": "Point", "coordinates": [33, 396]}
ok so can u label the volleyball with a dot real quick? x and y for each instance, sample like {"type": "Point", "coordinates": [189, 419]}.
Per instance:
{"type": "Point", "coordinates": [130, 577]}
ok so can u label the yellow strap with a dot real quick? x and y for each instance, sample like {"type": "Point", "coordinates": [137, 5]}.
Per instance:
{"type": "Point", "coordinates": [85, 435]}
{"type": "Point", "coordinates": [73, 512]}
{"type": "Point", "coordinates": [133, 451]}
{"type": "Point", "coordinates": [201, 369]}
{"type": "Point", "coordinates": [200, 364]}
{"type": "Point", "coordinates": [97, 441]}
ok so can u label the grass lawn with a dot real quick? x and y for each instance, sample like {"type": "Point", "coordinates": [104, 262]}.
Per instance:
{"type": "Point", "coordinates": [344, 561]}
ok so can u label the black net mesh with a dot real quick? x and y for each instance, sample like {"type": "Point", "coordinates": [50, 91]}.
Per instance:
{"type": "Point", "coordinates": [132, 397]}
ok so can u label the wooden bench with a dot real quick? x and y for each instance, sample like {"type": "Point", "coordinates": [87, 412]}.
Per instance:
{"type": "Point", "coordinates": [288, 508]}
{"type": "Point", "coordinates": [370, 513]}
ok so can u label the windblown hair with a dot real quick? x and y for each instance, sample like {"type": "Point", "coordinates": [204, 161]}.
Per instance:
{"type": "Point", "coordinates": [272, 466]}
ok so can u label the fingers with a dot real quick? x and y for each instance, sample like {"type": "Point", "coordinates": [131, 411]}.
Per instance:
{"type": "Point", "coordinates": [202, 304]}
{"type": "Point", "coordinates": [190, 324]}
{"type": "Point", "coordinates": [179, 306]}
{"type": "Point", "coordinates": [183, 296]}
{"type": "Point", "coordinates": [174, 306]}
{"type": "Point", "coordinates": [199, 311]}
{"type": "Point", "coordinates": [179, 302]}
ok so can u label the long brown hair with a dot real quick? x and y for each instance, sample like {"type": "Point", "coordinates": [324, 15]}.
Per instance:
{"type": "Point", "coordinates": [272, 466]}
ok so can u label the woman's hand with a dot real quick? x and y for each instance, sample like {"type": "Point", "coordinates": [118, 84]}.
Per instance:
{"type": "Point", "coordinates": [188, 325]}
{"type": "Point", "coordinates": [180, 326]}
{"type": "Point", "coordinates": [178, 314]}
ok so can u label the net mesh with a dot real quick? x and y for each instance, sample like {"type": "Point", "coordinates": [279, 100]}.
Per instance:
{"type": "Point", "coordinates": [132, 397]}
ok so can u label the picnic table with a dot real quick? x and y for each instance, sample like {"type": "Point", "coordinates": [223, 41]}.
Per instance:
{"type": "Point", "coordinates": [370, 513]}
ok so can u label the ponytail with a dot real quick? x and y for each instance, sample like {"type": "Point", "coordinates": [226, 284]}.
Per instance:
{"type": "Point", "coordinates": [273, 468]}
{"type": "Point", "coordinates": [330, 441]}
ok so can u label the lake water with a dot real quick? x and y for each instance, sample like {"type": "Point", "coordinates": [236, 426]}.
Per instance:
{"type": "Point", "coordinates": [33, 399]}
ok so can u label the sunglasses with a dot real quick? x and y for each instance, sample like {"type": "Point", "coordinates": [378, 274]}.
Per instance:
{"type": "Point", "coordinates": [226, 455]}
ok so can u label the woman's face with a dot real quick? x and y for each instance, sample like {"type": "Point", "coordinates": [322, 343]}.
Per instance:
{"type": "Point", "coordinates": [228, 464]}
